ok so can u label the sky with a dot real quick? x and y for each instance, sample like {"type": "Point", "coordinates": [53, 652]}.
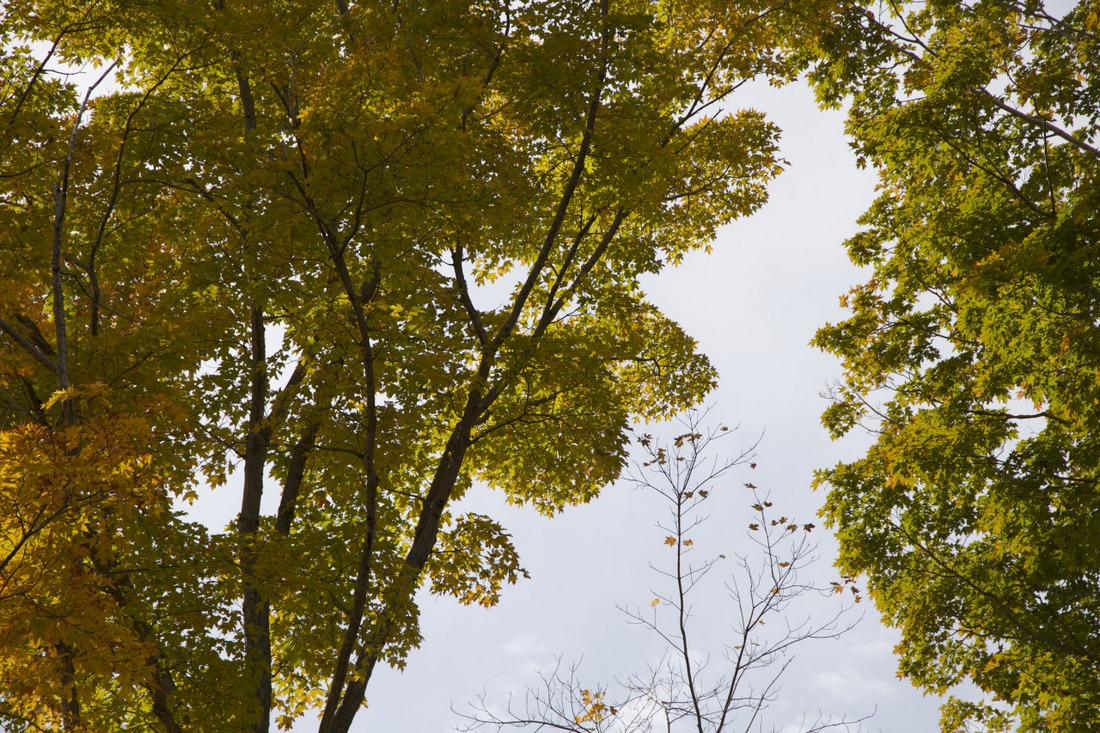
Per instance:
{"type": "Point", "coordinates": [753, 305]}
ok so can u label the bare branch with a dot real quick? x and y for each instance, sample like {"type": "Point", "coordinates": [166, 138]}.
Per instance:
{"type": "Point", "coordinates": [688, 689]}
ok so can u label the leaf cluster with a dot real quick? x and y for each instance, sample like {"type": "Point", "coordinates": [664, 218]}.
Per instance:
{"type": "Point", "coordinates": [971, 352]}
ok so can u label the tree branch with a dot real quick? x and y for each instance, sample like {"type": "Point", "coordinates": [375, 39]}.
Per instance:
{"type": "Point", "coordinates": [464, 296]}
{"type": "Point", "coordinates": [29, 347]}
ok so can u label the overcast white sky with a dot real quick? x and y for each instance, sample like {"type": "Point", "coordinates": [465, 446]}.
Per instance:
{"type": "Point", "coordinates": [753, 304]}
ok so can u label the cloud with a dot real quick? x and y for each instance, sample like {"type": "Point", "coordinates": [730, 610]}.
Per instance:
{"type": "Point", "coordinates": [849, 687]}
{"type": "Point", "coordinates": [528, 645]}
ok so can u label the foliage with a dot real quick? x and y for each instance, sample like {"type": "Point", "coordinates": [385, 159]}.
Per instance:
{"type": "Point", "coordinates": [972, 352]}
{"type": "Point", "coordinates": [689, 688]}
{"type": "Point", "coordinates": [351, 257]}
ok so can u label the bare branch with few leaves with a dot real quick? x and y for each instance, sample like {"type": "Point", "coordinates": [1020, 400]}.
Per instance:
{"type": "Point", "coordinates": [692, 688]}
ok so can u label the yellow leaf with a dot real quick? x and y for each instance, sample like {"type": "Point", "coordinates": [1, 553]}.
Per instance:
{"type": "Point", "coordinates": [59, 396]}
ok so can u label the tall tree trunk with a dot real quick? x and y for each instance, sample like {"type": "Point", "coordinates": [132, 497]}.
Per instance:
{"type": "Point", "coordinates": [255, 609]}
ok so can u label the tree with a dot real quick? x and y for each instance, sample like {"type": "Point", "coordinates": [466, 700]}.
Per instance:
{"type": "Point", "coordinates": [353, 257]}
{"type": "Point", "coordinates": [693, 687]}
{"type": "Point", "coordinates": [971, 353]}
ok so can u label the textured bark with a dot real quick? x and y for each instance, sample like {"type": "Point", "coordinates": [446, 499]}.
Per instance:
{"type": "Point", "coordinates": [255, 611]}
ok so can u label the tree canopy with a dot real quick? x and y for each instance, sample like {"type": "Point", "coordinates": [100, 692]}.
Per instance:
{"type": "Point", "coordinates": [973, 350]}
{"type": "Point", "coordinates": [353, 256]}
